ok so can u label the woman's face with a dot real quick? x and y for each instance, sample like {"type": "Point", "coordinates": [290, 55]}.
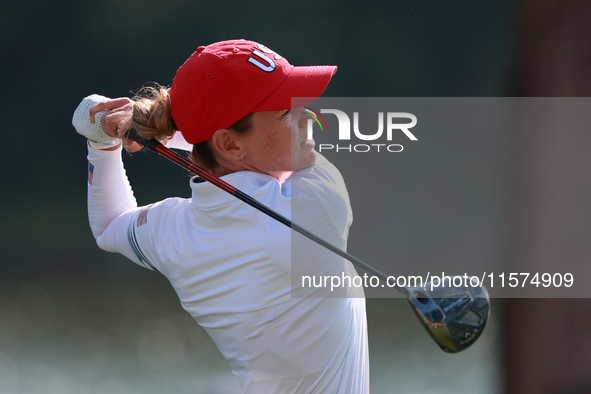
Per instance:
{"type": "Point", "coordinates": [277, 142]}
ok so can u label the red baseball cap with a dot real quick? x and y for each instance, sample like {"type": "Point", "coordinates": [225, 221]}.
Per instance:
{"type": "Point", "coordinates": [225, 81]}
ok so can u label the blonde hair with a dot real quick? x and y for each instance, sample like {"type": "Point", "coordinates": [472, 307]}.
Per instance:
{"type": "Point", "coordinates": [151, 117]}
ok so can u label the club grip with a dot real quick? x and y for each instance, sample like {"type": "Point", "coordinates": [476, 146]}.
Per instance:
{"type": "Point", "coordinates": [148, 143]}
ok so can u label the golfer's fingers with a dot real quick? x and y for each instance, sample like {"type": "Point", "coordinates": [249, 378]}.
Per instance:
{"type": "Point", "coordinates": [111, 121]}
{"type": "Point", "coordinates": [122, 103]}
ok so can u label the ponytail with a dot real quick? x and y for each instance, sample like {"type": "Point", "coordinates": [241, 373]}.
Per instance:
{"type": "Point", "coordinates": [150, 115]}
{"type": "Point", "coordinates": [151, 118]}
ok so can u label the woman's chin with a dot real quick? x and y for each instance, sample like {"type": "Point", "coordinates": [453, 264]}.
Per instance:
{"type": "Point", "coordinates": [304, 160]}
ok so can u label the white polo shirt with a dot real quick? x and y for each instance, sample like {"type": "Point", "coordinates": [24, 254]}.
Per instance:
{"type": "Point", "coordinates": [234, 267]}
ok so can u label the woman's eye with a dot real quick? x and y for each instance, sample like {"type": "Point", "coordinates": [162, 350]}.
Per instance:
{"type": "Point", "coordinates": [287, 112]}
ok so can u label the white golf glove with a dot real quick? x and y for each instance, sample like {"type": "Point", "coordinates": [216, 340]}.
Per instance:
{"type": "Point", "coordinates": [97, 138]}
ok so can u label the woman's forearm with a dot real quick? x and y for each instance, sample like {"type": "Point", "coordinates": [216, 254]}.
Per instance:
{"type": "Point", "coordinates": [109, 191]}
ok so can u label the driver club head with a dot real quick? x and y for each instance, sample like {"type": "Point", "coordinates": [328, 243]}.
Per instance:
{"type": "Point", "coordinates": [454, 316]}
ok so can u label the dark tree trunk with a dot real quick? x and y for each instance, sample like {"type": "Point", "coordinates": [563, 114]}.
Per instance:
{"type": "Point", "coordinates": [548, 341]}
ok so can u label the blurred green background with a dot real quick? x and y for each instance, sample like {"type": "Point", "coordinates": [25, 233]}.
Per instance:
{"type": "Point", "coordinates": [76, 319]}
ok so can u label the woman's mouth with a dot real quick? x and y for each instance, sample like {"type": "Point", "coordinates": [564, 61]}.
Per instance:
{"type": "Point", "coordinates": [308, 143]}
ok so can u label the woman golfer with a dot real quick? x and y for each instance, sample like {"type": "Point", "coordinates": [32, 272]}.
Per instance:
{"type": "Point", "coordinates": [237, 271]}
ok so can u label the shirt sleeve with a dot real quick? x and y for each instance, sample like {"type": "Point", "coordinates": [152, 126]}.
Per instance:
{"type": "Point", "coordinates": [112, 207]}
{"type": "Point", "coordinates": [320, 192]}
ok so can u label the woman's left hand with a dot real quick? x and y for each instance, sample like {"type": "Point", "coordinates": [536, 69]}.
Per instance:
{"type": "Point", "coordinates": [118, 109]}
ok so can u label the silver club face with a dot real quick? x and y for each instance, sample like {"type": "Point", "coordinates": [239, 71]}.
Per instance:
{"type": "Point", "coordinates": [454, 316]}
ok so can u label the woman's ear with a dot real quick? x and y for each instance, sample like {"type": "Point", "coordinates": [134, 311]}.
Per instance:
{"type": "Point", "coordinates": [226, 144]}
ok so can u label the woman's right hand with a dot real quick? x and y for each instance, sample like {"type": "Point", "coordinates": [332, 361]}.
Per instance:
{"type": "Point", "coordinates": [118, 109]}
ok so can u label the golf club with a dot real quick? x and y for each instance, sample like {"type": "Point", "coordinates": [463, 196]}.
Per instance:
{"type": "Point", "coordinates": [454, 316]}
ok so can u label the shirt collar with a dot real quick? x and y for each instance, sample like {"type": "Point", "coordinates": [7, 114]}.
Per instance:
{"type": "Point", "coordinates": [205, 194]}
